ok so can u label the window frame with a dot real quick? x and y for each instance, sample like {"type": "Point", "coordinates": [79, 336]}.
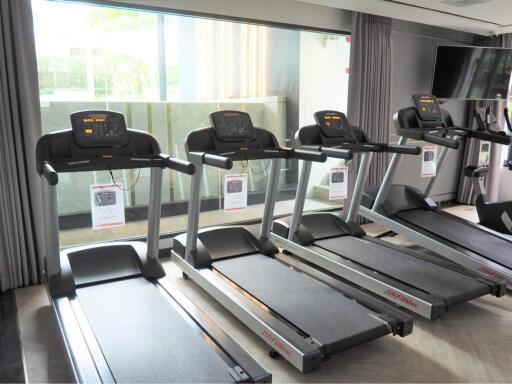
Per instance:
{"type": "Point", "coordinates": [140, 213]}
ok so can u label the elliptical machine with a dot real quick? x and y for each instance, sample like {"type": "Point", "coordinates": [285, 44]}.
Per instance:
{"type": "Point", "coordinates": [493, 215]}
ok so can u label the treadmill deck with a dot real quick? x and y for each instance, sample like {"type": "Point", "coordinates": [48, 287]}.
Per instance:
{"type": "Point", "coordinates": [320, 311]}
{"type": "Point", "coordinates": [145, 339]}
{"type": "Point", "coordinates": [453, 229]}
{"type": "Point", "coordinates": [451, 286]}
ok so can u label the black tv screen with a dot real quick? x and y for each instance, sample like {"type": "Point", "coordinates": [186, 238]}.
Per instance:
{"type": "Point", "coordinates": [475, 73]}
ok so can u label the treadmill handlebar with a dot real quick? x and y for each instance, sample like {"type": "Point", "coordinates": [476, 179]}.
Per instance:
{"type": "Point", "coordinates": [182, 166]}
{"type": "Point", "coordinates": [403, 149]}
{"type": "Point", "coordinates": [338, 153]}
{"type": "Point", "coordinates": [50, 173]}
{"type": "Point", "coordinates": [308, 155]}
{"type": "Point", "coordinates": [217, 161]}
{"type": "Point", "coordinates": [503, 139]}
{"type": "Point", "coordinates": [350, 148]}
{"type": "Point", "coordinates": [440, 140]}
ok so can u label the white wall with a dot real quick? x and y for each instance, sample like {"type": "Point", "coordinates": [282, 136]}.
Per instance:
{"type": "Point", "coordinates": [278, 11]}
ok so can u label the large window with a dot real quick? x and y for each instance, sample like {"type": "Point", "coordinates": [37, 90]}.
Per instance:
{"type": "Point", "coordinates": [166, 74]}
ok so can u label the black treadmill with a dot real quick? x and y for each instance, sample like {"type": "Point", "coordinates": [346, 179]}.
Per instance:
{"type": "Point", "coordinates": [119, 317]}
{"type": "Point", "coordinates": [336, 243]}
{"type": "Point", "coordinates": [413, 213]}
{"type": "Point", "coordinates": [301, 318]}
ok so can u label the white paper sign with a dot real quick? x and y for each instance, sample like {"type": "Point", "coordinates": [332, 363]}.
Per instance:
{"type": "Point", "coordinates": [484, 154]}
{"type": "Point", "coordinates": [235, 192]}
{"type": "Point", "coordinates": [107, 206]}
{"type": "Point", "coordinates": [338, 181]}
{"type": "Point", "coordinates": [429, 161]}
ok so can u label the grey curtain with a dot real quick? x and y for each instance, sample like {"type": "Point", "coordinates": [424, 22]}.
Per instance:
{"type": "Point", "coordinates": [21, 234]}
{"type": "Point", "coordinates": [465, 193]}
{"type": "Point", "coordinates": [369, 90]}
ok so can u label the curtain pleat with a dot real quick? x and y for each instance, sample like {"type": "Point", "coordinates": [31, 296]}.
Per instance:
{"type": "Point", "coordinates": [21, 225]}
{"type": "Point", "coordinates": [370, 87]}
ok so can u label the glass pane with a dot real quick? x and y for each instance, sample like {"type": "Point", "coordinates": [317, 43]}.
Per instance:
{"type": "Point", "coordinates": [166, 74]}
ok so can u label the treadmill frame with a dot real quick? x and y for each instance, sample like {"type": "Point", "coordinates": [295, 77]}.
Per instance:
{"type": "Point", "coordinates": [84, 354]}
{"type": "Point", "coordinates": [304, 354]}
{"type": "Point", "coordinates": [421, 304]}
{"type": "Point", "coordinates": [467, 259]}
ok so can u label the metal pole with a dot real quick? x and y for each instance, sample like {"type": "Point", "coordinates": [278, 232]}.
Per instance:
{"type": "Point", "coordinates": [194, 208]}
{"type": "Point", "coordinates": [154, 212]}
{"type": "Point", "coordinates": [270, 199]}
{"type": "Point", "coordinates": [432, 180]}
{"type": "Point", "coordinates": [357, 195]}
{"type": "Point", "coordinates": [161, 70]}
{"type": "Point", "coordinates": [300, 198]}
{"type": "Point", "coordinates": [51, 225]}
{"type": "Point", "coordinates": [387, 182]}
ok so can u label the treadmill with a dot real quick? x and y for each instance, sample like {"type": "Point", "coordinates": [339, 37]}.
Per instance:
{"type": "Point", "coordinates": [120, 319]}
{"type": "Point", "coordinates": [336, 243]}
{"type": "Point", "coordinates": [301, 318]}
{"type": "Point", "coordinates": [406, 210]}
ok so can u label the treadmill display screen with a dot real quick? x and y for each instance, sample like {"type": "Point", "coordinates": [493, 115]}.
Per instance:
{"type": "Point", "coordinates": [232, 126]}
{"type": "Point", "coordinates": [99, 129]}
{"type": "Point", "coordinates": [428, 107]}
{"type": "Point", "coordinates": [333, 124]}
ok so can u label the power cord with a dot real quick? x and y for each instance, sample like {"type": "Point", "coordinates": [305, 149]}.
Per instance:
{"type": "Point", "coordinates": [119, 186]}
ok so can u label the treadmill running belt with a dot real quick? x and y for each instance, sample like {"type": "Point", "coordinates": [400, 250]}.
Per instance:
{"type": "Point", "coordinates": [317, 309]}
{"type": "Point", "coordinates": [450, 285]}
{"type": "Point", "coordinates": [144, 339]}
{"type": "Point", "coordinates": [457, 231]}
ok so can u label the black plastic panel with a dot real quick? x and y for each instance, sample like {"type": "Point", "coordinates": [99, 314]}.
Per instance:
{"type": "Point", "coordinates": [92, 265]}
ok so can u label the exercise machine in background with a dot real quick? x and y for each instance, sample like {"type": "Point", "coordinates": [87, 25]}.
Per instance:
{"type": "Point", "coordinates": [408, 211]}
{"type": "Point", "coordinates": [336, 243]}
{"type": "Point", "coordinates": [119, 317]}
{"type": "Point", "coordinates": [494, 215]}
{"type": "Point", "coordinates": [302, 318]}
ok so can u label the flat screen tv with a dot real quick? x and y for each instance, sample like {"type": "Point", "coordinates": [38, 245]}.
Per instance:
{"type": "Point", "coordinates": [471, 73]}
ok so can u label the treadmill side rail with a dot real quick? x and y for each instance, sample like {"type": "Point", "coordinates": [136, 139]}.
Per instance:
{"type": "Point", "coordinates": [304, 354]}
{"type": "Point", "coordinates": [83, 364]}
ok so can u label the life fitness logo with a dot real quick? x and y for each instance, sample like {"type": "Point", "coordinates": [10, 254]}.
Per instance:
{"type": "Point", "coordinates": [276, 343]}
{"type": "Point", "coordinates": [397, 296]}
{"type": "Point", "coordinates": [496, 275]}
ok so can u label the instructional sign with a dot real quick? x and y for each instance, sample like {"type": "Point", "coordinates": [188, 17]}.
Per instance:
{"type": "Point", "coordinates": [484, 154]}
{"type": "Point", "coordinates": [235, 192]}
{"type": "Point", "coordinates": [107, 206]}
{"type": "Point", "coordinates": [429, 161]}
{"type": "Point", "coordinates": [338, 181]}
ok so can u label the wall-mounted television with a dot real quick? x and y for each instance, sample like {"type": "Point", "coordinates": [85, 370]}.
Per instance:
{"type": "Point", "coordinates": [474, 73]}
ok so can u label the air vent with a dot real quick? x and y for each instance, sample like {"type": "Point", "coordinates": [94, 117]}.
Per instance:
{"type": "Point", "coordinates": [464, 3]}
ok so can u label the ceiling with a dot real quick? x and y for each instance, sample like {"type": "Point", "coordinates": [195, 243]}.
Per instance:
{"type": "Point", "coordinates": [482, 17]}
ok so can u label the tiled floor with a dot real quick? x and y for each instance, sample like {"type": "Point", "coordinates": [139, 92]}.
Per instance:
{"type": "Point", "coordinates": [471, 343]}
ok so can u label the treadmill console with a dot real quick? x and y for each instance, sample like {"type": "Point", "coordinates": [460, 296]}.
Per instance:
{"type": "Point", "coordinates": [333, 124]}
{"type": "Point", "coordinates": [232, 126]}
{"type": "Point", "coordinates": [94, 129]}
{"type": "Point", "coordinates": [427, 107]}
